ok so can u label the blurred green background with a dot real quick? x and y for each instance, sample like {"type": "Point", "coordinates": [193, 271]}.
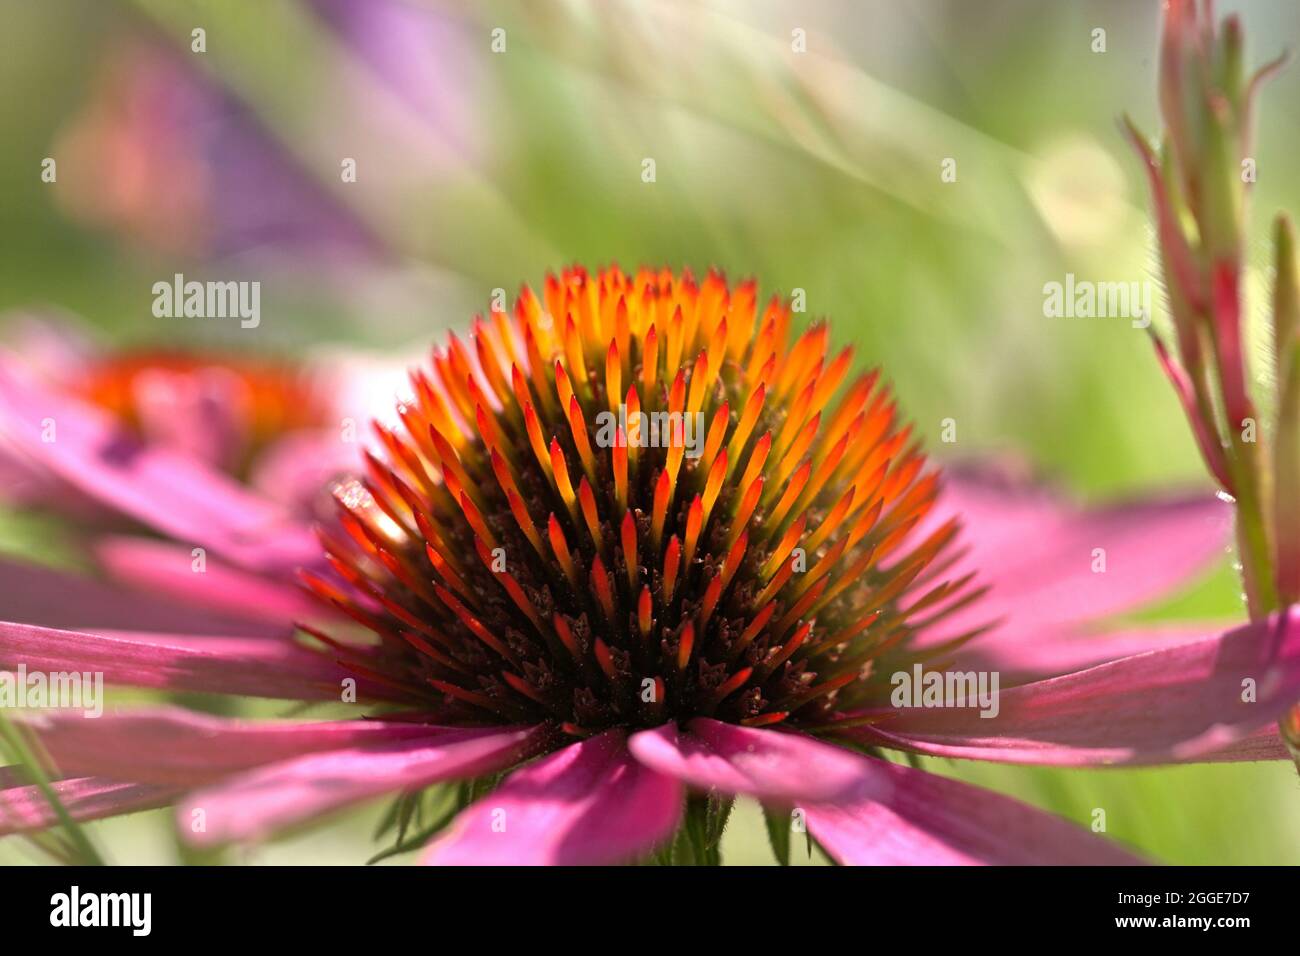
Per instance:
{"type": "Point", "coordinates": [817, 170]}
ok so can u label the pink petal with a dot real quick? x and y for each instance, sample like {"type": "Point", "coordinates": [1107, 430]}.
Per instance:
{"type": "Point", "coordinates": [1052, 651]}
{"type": "Point", "coordinates": [589, 803]}
{"type": "Point", "coordinates": [198, 413]}
{"type": "Point", "coordinates": [52, 344]}
{"type": "Point", "coordinates": [298, 469]}
{"type": "Point", "coordinates": [169, 492]}
{"type": "Point", "coordinates": [179, 747]}
{"type": "Point", "coordinates": [160, 567]}
{"type": "Point", "coordinates": [259, 667]}
{"type": "Point", "coordinates": [39, 595]}
{"type": "Point", "coordinates": [23, 484]}
{"type": "Point", "coordinates": [907, 817]}
{"type": "Point", "coordinates": [769, 765]}
{"type": "Point", "coordinates": [86, 798]}
{"type": "Point", "coordinates": [1262, 744]}
{"type": "Point", "coordinates": [254, 805]}
{"type": "Point", "coordinates": [1037, 555]}
{"type": "Point", "coordinates": [1180, 703]}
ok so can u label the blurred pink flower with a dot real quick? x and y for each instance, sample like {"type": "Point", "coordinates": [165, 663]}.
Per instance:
{"type": "Point", "coordinates": [156, 453]}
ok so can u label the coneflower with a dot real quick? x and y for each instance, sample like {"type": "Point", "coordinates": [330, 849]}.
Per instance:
{"type": "Point", "coordinates": [599, 621]}
{"type": "Point", "coordinates": [666, 516]}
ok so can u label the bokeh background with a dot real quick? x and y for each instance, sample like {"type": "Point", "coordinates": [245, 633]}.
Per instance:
{"type": "Point", "coordinates": [817, 170]}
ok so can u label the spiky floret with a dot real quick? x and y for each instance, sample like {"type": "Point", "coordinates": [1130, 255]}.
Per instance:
{"type": "Point", "coordinates": [517, 567]}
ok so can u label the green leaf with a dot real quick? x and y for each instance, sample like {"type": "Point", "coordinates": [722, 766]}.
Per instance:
{"type": "Point", "coordinates": [419, 839]}
{"type": "Point", "coordinates": [389, 819]}
{"type": "Point", "coordinates": [409, 806]}
{"type": "Point", "coordinates": [778, 834]}
{"type": "Point", "coordinates": [441, 802]}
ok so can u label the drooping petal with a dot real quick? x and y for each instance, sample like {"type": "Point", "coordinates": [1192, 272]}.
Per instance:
{"type": "Point", "coordinates": [589, 803]}
{"type": "Point", "coordinates": [865, 810]}
{"type": "Point", "coordinates": [769, 765]}
{"type": "Point", "coordinates": [39, 595]}
{"type": "Point", "coordinates": [1052, 568]}
{"type": "Point", "coordinates": [171, 493]}
{"type": "Point", "coordinates": [1262, 744]}
{"type": "Point", "coordinates": [25, 808]}
{"type": "Point", "coordinates": [908, 817]}
{"type": "Point", "coordinates": [256, 804]}
{"type": "Point", "coordinates": [1148, 548]}
{"type": "Point", "coordinates": [161, 567]}
{"type": "Point", "coordinates": [1052, 651]}
{"type": "Point", "coordinates": [1176, 704]}
{"type": "Point", "coordinates": [258, 667]}
{"type": "Point", "coordinates": [183, 748]}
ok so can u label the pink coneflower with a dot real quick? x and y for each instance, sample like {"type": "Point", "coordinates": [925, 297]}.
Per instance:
{"type": "Point", "coordinates": [633, 633]}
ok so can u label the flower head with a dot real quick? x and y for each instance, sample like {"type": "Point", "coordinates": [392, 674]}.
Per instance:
{"type": "Point", "coordinates": [665, 517]}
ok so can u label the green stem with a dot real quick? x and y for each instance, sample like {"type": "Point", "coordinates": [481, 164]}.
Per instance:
{"type": "Point", "coordinates": [12, 735]}
{"type": "Point", "coordinates": [1253, 548]}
